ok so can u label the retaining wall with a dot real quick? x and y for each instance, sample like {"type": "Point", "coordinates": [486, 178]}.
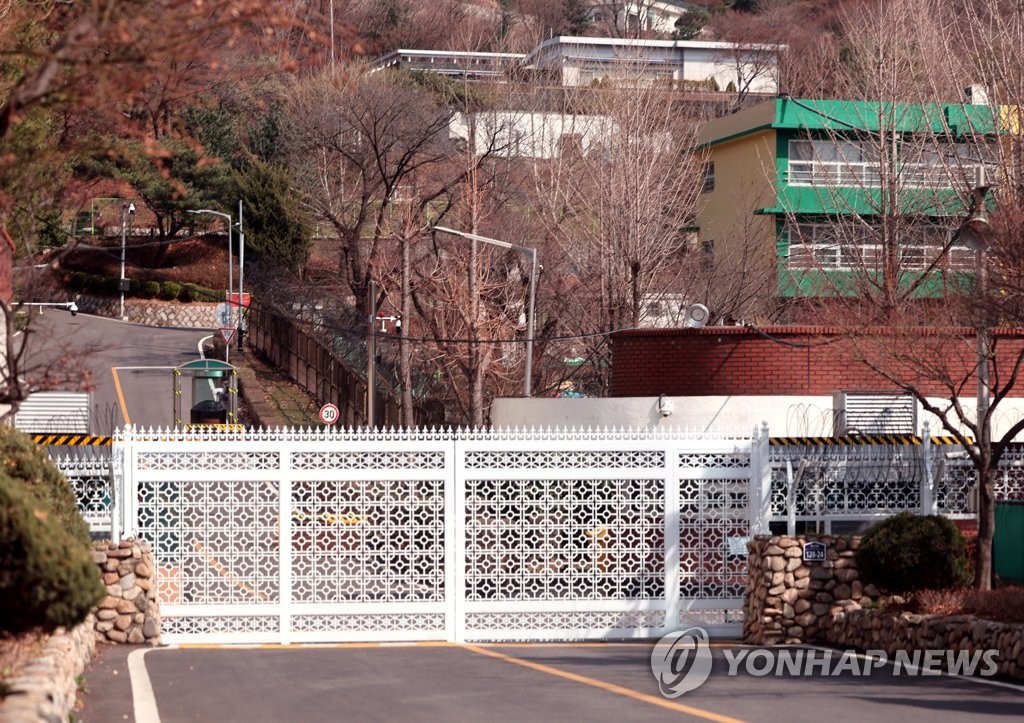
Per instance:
{"type": "Point", "coordinates": [46, 688]}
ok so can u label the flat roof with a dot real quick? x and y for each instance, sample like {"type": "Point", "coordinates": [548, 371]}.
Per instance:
{"type": "Point", "coordinates": [786, 113]}
{"type": "Point", "coordinates": [571, 40]}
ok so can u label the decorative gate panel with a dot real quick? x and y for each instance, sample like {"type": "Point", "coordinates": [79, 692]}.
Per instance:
{"type": "Point", "coordinates": [322, 536]}
{"type": "Point", "coordinates": [714, 527]}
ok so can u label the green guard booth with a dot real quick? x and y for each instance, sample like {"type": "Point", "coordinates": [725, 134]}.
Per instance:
{"type": "Point", "coordinates": [1008, 543]}
{"type": "Point", "coordinates": [214, 387]}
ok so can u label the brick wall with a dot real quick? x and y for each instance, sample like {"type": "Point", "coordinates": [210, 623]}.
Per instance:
{"type": "Point", "coordinates": [812, 361]}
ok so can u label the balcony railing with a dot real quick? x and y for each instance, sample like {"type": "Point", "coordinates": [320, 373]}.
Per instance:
{"type": "Point", "coordinates": [866, 257]}
{"type": "Point", "coordinates": [849, 174]}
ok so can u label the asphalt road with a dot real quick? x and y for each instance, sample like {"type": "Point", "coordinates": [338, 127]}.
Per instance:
{"type": "Point", "coordinates": [130, 365]}
{"type": "Point", "coordinates": [557, 682]}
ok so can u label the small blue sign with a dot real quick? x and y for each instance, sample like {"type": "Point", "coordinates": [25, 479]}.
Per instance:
{"type": "Point", "coordinates": [814, 552]}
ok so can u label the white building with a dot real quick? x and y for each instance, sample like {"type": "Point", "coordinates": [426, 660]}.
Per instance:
{"type": "Point", "coordinates": [522, 134]}
{"type": "Point", "coordinates": [658, 16]}
{"type": "Point", "coordinates": [451, 63]}
{"type": "Point", "coordinates": [574, 62]}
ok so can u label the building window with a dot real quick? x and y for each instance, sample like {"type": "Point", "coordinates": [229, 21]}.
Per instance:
{"type": "Point", "coordinates": [923, 163]}
{"type": "Point", "coordinates": [709, 178]}
{"type": "Point", "coordinates": [833, 163]}
{"type": "Point", "coordinates": [707, 253]}
{"type": "Point", "coordinates": [854, 246]}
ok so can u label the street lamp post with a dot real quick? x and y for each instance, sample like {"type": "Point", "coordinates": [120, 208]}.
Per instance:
{"type": "Point", "coordinates": [532, 253]}
{"type": "Point", "coordinates": [974, 233]}
{"type": "Point", "coordinates": [241, 276]}
{"type": "Point", "coordinates": [126, 208]}
{"type": "Point", "coordinates": [231, 273]}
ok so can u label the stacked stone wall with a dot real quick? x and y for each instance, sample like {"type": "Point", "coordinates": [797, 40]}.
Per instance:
{"type": "Point", "coordinates": [152, 312]}
{"type": "Point", "coordinates": [888, 631]}
{"type": "Point", "coordinates": [789, 600]}
{"type": "Point", "coordinates": [45, 689]}
{"type": "Point", "coordinates": [129, 612]}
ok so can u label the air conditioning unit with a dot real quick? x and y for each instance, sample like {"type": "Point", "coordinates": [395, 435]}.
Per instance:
{"type": "Point", "coordinates": [868, 413]}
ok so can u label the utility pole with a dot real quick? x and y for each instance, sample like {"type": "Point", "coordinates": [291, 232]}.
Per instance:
{"type": "Point", "coordinates": [371, 357]}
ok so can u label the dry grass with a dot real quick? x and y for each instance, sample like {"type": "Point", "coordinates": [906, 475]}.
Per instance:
{"type": "Point", "coordinates": [1005, 604]}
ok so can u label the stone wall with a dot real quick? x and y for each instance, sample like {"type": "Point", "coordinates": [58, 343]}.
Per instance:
{"type": "Point", "coordinates": [885, 630]}
{"type": "Point", "coordinates": [789, 600]}
{"type": "Point", "coordinates": [46, 688]}
{"type": "Point", "coordinates": [129, 613]}
{"type": "Point", "coordinates": [151, 312]}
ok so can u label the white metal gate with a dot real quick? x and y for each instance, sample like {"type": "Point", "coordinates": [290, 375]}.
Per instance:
{"type": "Point", "coordinates": [306, 536]}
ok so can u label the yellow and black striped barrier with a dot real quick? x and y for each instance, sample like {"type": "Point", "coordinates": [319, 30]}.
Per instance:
{"type": "Point", "coordinates": [215, 427]}
{"type": "Point", "coordinates": [72, 440]}
{"type": "Point", "coordinates": [861, 440]}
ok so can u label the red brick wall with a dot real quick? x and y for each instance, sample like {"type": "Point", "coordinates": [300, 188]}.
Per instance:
{"type": "Point", "coordinates": [812, 361]}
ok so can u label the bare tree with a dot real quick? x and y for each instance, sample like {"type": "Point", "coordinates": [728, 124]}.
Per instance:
{"type": "Point", "coordinates": [616, 201]}
{"type": "Point", "coordinates": [896, 177]}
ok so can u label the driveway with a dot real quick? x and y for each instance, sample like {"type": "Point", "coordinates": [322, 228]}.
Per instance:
{"type": "Point", "coordinates": [495, 683]}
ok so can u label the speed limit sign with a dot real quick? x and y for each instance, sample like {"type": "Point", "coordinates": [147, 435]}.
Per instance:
{"type": "Point", "coordinates": [329, 414]}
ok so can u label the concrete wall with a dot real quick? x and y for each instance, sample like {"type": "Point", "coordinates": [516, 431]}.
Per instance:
{"type": "Point", "coordinates": [786, 416]}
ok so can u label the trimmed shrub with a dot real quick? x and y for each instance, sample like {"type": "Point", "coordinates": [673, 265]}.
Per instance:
{"type": "Point", "coordinates": [47, 577]}
{"type": "Point", "coordinates": [187, 293]}
{"type": "Point", "coordinates": [151, 289]}
{"type": "Point", "coordinates": [909, 552]}
{"type": "Point", "coordinates": [79, 280]}
{"type": "Point", "coordinates": [26, 463]}
{"type": "Point", "coordinates": [110, 285]}
{"type": "Point", "coordinates": [170, 290]}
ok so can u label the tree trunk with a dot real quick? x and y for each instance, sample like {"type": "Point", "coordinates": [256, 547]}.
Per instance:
{"type": "Point", "coordinates": [986, 530]}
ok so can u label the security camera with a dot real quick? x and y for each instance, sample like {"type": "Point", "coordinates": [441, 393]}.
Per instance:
{"type": "Point", "coordinates": [664, 406]}
{"type": "Point", "coordinates": [73, 308]}
{"type": "Point", "coordinates": [131, 208]}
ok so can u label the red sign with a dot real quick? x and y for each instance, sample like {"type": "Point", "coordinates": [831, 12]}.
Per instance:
{"type": "Point", "coordinates": [233, 298]}
{"type": "Point", "coordinates": [227, 333]}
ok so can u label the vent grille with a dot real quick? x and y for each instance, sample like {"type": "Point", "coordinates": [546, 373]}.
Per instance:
{"type": "Point", "coordinates": [874, 413]}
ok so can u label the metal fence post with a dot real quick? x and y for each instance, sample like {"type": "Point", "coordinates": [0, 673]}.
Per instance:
{"type": "Point", "coordinates": [927, 492]}
{"type": "Point", "coordinates": [673, 554]}
{"type": "Point", "coordinates": [760, 482]}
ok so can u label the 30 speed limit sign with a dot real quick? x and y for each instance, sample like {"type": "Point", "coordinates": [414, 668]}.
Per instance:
{"type": "Point", "coordinates": [329, 414]}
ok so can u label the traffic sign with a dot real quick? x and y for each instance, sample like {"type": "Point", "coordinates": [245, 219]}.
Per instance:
{"type": "Point", "coordinates": [232, 297]}
{"type": "Point", "coordinates": [223, 314]}
{"type": "Point", "coordinates": [227, 332]}
{"type": "Point", "coordinates": [329, 414]}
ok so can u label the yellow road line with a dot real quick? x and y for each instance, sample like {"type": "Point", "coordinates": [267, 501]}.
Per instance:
{"type": "Point", "coordinates": [610, 687]}
{"type": "Point", "coordinates": [120, 396]}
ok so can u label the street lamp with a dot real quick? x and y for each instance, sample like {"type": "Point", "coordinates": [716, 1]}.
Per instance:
{"type": "Point", "coordinates": [231, 273]}
{"type": "Point", "coordinates": [532, 253]}
{"type": "Point", "coordinates": [241, 275]}
{"type": "Point", "coordinates": [126, 208]}
{"type": "Point", "coordinates": [974, 233]}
